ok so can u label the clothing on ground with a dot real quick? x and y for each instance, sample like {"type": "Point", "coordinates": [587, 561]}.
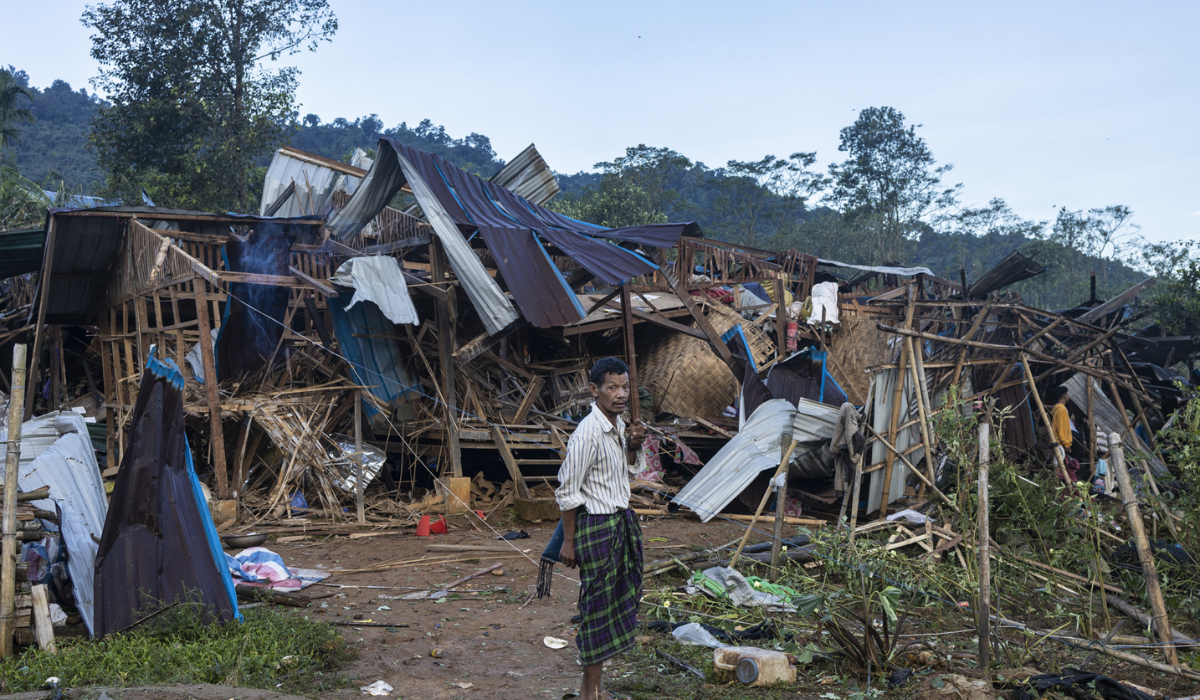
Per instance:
{"type": "Point", "coordinates": [596, 471]}
{"type": "Point", "coordinates": [609, 550]}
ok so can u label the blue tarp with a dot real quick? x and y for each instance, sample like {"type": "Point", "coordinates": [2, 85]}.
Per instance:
{"type": "Point", "coordinates": [367, 339]}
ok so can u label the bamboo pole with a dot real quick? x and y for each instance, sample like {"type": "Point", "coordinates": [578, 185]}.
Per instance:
{"type": "Point", "coordinates": [962, 350]}
{"type": "Point", "coordinates": [8, 526]}
{"type": "Point", "coordinates": [1037, 399]}
{"type": "Point", "coordinates": [777, 543]}
{"type": "Point", "coordinates": [783, 463]}
{"type": "Point", "coordinates": [983, 626]}
{"type": "Point", "coordinates": [630, 358]}
{"type": "Point", "coordinates": [1161, 625]}
{"type": "Point", "coordinates": [358, 460]}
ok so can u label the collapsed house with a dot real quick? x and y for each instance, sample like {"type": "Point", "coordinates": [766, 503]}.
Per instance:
{"type": "Point", "coordinates": [431, 323]}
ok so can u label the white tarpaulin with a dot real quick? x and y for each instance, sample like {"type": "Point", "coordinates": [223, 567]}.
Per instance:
{"type": "Point", "coordinates": [824, 303]}
{"type": "Point", "coordinates": [57, 452]}
{"type": "Point", "coordinates": [378, 279]}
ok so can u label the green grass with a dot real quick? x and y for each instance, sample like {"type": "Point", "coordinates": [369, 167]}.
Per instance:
{"type": "Point", "coordinates": [270, 649]}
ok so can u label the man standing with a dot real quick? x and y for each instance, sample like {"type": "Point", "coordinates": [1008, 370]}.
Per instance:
{"type": "Point", "coordinates": [1060, 423]}
{"type": "Point", "coordinates": [600, 533]}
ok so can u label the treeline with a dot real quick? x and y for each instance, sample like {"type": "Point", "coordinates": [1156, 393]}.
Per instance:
{"type": "Point", "coordinates": [888, 202]}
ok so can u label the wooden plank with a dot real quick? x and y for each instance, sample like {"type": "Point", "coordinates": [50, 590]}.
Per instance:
{"type": "Point", "coordinates": [313, 282]}
{"type": "Point", "coordinates": [535, 388]}
{"type": "Point", "coordinates": [710, 333]}
{"type": "Point", "coordinates": [45, 278]}
{"type": "Point", "coordinates": [1117, 302]}
{"type": "Point", "coordinates": [208, 357]}
{"type": "Point", "coordinates": [510, 462]}
{"type": "Point", "coordinates": [43, 628]}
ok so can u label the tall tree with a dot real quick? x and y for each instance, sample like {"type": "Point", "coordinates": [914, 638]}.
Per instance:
{"type": "Point", "coordinates": [13, 96]}
{"type": "Point", "coordinates": [890, 184]}
{"type": "Point", "coordinates": [196, 97]}
{"type": "Point", "coordinates": [762, 198]}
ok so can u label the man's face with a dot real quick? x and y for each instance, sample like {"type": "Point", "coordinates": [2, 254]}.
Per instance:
{"type": "Point", "coordinates": [612, 394]}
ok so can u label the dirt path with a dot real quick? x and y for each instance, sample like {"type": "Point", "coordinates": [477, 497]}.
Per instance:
{"type": "Point", "coordinates": [489, 642]}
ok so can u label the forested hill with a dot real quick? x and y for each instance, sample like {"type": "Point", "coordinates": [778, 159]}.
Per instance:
{"type": "Point", "coordinates": [52, 149]}
{"type": "Point", "coordinates": [772, 203]}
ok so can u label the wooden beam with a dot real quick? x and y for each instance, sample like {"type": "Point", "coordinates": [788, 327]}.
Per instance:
{"type": "Point", "coordinates": [1117, 302]}
{"type": "Point", "coordinates": [660, 320]}
{"type": "Point", "coordinates": [209, 360]}
{"type": "Point", "coordinates": [710, 333]}
{"type": "Point", "coordinates": [39, 331]}
{"type": "Point", "coordinates": [514, 471]}
{"type": "Point", "coordinates": [535, 388]}
{"type": "Point", "coordinates": [316, 284]}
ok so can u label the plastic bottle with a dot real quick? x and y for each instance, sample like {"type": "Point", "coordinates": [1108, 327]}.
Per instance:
{"type": "Point", "coordinates": [754, 666]}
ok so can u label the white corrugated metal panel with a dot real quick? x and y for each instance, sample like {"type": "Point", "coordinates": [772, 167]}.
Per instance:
{"type": "Point", "coordinates": [885, 386]}
{"type": "Point", "coordinates": [349, 183]}
{"type": "Point", "coordinates": [314, 184]}
{"type": "Point", "coordinates": [378, 279]}
{"type": "Point", "coordinates": [57, 452]}
{"type": "Point", "coordinates": [756, 448]}
{"type": "Point", "coordinates": [1108, 419]}
{"type": "Point", "coordinates": [813, 421]}
{"type": "Point", "coordinates": [528, 176]}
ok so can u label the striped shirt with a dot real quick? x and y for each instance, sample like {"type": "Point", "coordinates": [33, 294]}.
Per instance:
{"type": "Point", "coordinates": [596, 471]}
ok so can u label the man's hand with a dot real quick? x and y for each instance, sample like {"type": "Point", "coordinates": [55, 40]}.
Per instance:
{"type": "Point", "coordinates": [567, 553]}
{"type": "Point", "coordinates": [637, 436]}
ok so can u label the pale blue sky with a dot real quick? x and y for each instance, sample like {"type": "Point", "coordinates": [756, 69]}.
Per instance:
{"type": "Point", "coordinates": [1081, 104]}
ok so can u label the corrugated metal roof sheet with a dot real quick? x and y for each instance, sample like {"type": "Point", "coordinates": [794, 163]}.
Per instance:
{"type": "Point", "coordinates": [56, 451]}
{"type": "Point", "coordinates": [314, 182]}
{"type": "Point", "coordinates": [515, 230]}
{"type": "Point", "coordinates": [529, 177]}
{"type": "Point", "coordinates": [756, 448]}
{"type": "Point", "coordinates": [21, 251]}
{"type": "Point", "coordinates": [1108, 419]}
{"type": "Point", "coordinates": [1012, 269]}
{"type": "Point", "coordinates": [881, 415]}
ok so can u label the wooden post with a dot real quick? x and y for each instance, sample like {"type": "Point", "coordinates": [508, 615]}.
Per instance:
{"type": "Point", "coordinates": [39, 330]}
{"type": "Point", "coordinates": [1147, 471]}
{"type": "Point", "coordinates": [783, 463]}
{"type": "Point", "coordinates": [897, 395]}
{"type": "Point", "coordinates": [983, 626]}
{"type": "Point", "coordinates": [781, 316]}
{"type": "Point", "coordinates": [43, 628]}
{"type": "Point", "coordinates": [1037, 400]}
{"type": "Point", "coordinates": [1091, 431]}
{"type": "Point", "coordinates": [8, 526]}
{"type": "Point", "coordinates": [445, 320]}
{"type": "Point", "coordinates": [56, 361]}
{"type": "Point", "coordinates": [635, 404]}
{"type": "Point", "coordinates": [1161, 625]}
{"type": "Point", "coordinates": [358, 460]}
{"type": "Point", "coordinates": [777, 542]}
{"type": "Point", "coordinates": [858, 467]}
{"type": "Point", "coordinates": [208, 352]}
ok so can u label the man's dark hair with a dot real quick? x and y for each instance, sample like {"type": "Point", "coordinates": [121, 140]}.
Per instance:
{"type": "Point", "coordinates": [1057, 393]}
{"type": "Point", "coordinates": [605, 367]}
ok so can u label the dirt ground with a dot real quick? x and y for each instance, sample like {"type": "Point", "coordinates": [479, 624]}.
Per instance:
{"type": "Point", "coordinates": [490, 642]}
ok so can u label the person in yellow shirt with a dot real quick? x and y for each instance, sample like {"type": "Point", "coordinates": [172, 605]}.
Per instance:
{"type": "Point", "coordinates": [1060, 423]}
{"type": "Point", "coordinates": [1059, 419]}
